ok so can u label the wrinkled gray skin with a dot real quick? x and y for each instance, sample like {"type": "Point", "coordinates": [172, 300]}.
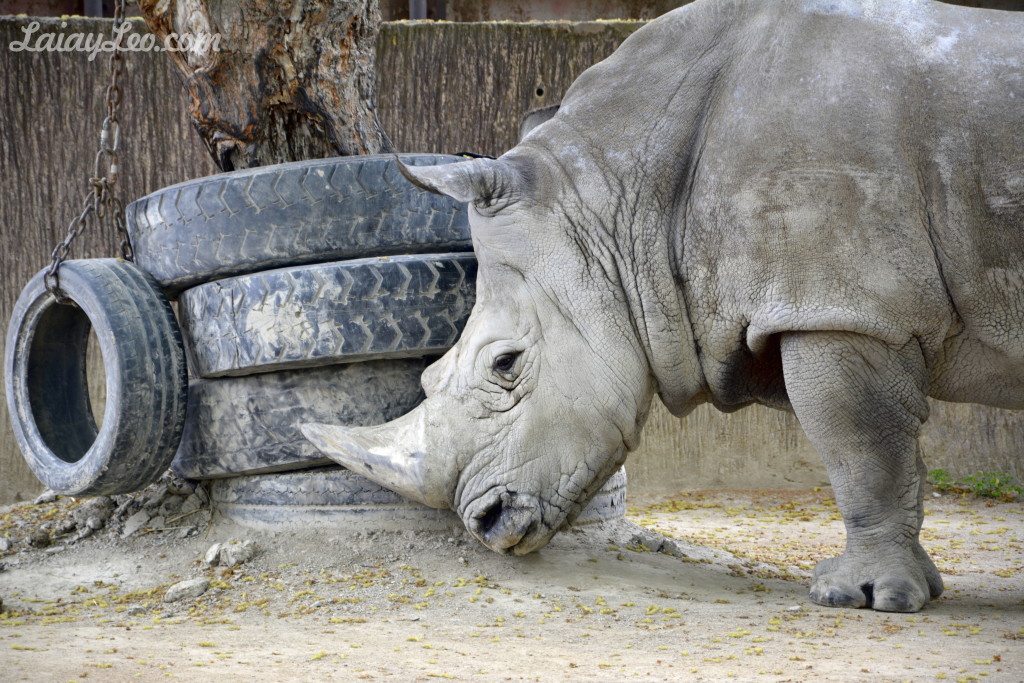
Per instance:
{"type": "Point", "coordinates": [816, 206]}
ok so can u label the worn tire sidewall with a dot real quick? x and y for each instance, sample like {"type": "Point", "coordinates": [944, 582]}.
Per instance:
{"type": "Point", "coordinates": [145, 402]}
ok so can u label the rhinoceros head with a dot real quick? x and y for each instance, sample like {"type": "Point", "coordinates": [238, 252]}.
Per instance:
{"type": "Point", "coordinates": [544, 393]}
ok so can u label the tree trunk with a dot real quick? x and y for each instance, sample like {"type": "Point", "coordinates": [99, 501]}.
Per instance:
{"type": "Point", "coordinates": [291, 80]}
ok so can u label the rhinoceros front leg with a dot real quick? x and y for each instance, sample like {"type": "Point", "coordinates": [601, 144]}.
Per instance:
{"type": "Point", "coordinates": [862, 402]}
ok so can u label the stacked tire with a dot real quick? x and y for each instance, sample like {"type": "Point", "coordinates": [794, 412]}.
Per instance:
{"type": "Point", "coordinates": [314, 291]}
{"type": "Point", "coordinates": [309, 291]}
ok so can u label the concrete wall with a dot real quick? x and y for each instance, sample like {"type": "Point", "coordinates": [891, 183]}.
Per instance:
{"type": "Point", "coordinates": [443, 88]}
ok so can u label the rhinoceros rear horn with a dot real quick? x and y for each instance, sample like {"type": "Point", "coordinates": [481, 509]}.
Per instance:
{"type": "Point", "coordinates": [490, 184]}
{"type": "Point", "coordinates": [392, 454]}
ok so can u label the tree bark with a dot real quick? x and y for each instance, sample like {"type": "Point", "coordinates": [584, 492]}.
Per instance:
{"type": "Point", "coordinates": [291, 80]}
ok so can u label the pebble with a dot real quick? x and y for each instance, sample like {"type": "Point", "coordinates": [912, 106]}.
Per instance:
{"type": "Point", "coordinates": [171, 505]}
{"type": "Point", "coordinates": [136, 611]}
{"type": "Point", "coordinates": [212, 555]}
{"type": "Point", "coordinates": [181, 487]}
{"type": "Point", "coordinates": [191, 504]}
{"type": "Point", "coordinates": [101, 507]}
{"type": "Point", "coordinates": [39, 538]}
{"type": "Point", "coordinates": [134, 523]}
{"type": "Point", "coordinates": [5, 544]}
{"type": "Point", "coordinates": [95, 523]}
{"type": "Point", "coordinates": [795, 608]}
{"type": "Point", "coordinates": [66, 527]}
{"type": "Point", "coordinates": [187, 590]}
{"type": "Point", "coordinates": [155, 497]}
{"type": "Point", "coordinates": [45, 497]}
{"type": "Point", "coordinates": [233, 554]}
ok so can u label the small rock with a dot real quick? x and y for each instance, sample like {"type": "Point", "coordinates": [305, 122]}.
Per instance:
{"type": "Point", "coordinates": [134, 523]}
{"type": "Point", "coordinates": [201, 493]}
{"type": "Point", "coordinates": [936, 494]}
{"type": "Point", "coordinates": [191, 504]}
{"type": "Point", "coordinates": [157, 522]}
{"type": "Point", "coordinates": [795, 608]}
{"type": "Point", "coordinates": [5, 544]}
{"type": "Point", "coordinates": [45, 497]}
{"type": "Point", "coordinates": [155, 498]}
{"type": "Point", "coordinates": [181, 487]}
{"type": "Point", "coordinates": [136, 611]}
{"type": "Point", "coordinates": [66, 527]}
{"type": "Point", "coordinates": [670, 547]}
{"type": "Point", "coordinates": [233, 554]}
{"type": "Point", "coordinates": [101, 507]}
{"type": "Point", "coordinates": [187, 590]}
{"type": "Point", "coordinates": [171, 505]}
{"type": "Point", "coordinates": [39, 539]}
{"type": "Point", "coordinates": [95, 523]}
{"type": "Point", "coordinates": [212, 555]}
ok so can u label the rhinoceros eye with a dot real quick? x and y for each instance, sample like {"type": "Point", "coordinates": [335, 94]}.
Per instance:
{"type": "Point", "coordinates": [505, 363]}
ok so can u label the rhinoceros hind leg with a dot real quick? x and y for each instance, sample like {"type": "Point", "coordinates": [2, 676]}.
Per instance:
{"type": "Point", "coordinates": [861, 402]}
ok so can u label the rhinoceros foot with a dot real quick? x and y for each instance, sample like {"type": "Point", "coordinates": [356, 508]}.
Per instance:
{"type": "Point", "coordinates": [893, 579]}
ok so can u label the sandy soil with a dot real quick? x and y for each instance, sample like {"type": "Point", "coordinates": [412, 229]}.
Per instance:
{"type": "Point", "coordinates": [334, 604]}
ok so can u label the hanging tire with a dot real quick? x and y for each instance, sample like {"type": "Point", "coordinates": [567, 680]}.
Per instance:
{"type": "Point", "coordinates": [291, 214]}
{"type": "Point", "coordinates": [322, 314]}
{"type": "Point", "coordinates": [47, 389]}
{"type": "Point", "coordinates": [247, 425]}
{"type": "Point", "coordinates": [333, 495]}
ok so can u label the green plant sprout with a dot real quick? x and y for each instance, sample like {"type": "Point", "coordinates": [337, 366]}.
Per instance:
{"type": "Point", "coordinates": [996, 485]}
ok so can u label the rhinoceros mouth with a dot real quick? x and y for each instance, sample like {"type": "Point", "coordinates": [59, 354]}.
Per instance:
{"type": "Point", "coordinates": [506, 521]}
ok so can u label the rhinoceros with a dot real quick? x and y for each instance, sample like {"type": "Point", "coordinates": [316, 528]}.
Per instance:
{"type": "Point", "coordinates": [815, 205]}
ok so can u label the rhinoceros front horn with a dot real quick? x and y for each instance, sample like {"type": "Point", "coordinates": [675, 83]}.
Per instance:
{"type": "Point", "coordinates": [391, 454]}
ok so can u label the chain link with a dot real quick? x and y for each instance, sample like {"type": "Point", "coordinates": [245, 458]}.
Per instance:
{"type": "Point", "coordinates": [100, 203]}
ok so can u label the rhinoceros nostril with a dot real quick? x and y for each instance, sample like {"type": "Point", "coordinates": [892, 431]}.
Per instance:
{"type": "Point", "coordinates": [490, 517]}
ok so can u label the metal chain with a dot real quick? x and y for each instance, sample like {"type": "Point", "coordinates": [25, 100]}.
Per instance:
{"type": "Point", "coordinates": [100, 203]}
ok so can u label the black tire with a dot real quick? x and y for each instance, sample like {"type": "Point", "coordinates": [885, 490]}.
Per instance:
{"type": "Point", "coordinates": [248, 425]}
{"type": "Point", "coordinates": [367, 309]}
{"type": "Point", "coordinates": [608, 503]}
{"type": "Point", "coordinates": [47, 389]}
{"type": "Point", "coordinates": [329, 495]}
{"type": "Point", "coordinates": [336, 495]}
{"type": "Point", "coordinates": [291, 214]}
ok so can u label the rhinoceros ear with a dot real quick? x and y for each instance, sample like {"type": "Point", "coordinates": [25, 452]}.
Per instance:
{"type": "Point", "coordinates": [489, 184]}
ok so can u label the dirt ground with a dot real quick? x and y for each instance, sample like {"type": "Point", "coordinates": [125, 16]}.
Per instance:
{"type": "Point", "coordinates": [340, 604]}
